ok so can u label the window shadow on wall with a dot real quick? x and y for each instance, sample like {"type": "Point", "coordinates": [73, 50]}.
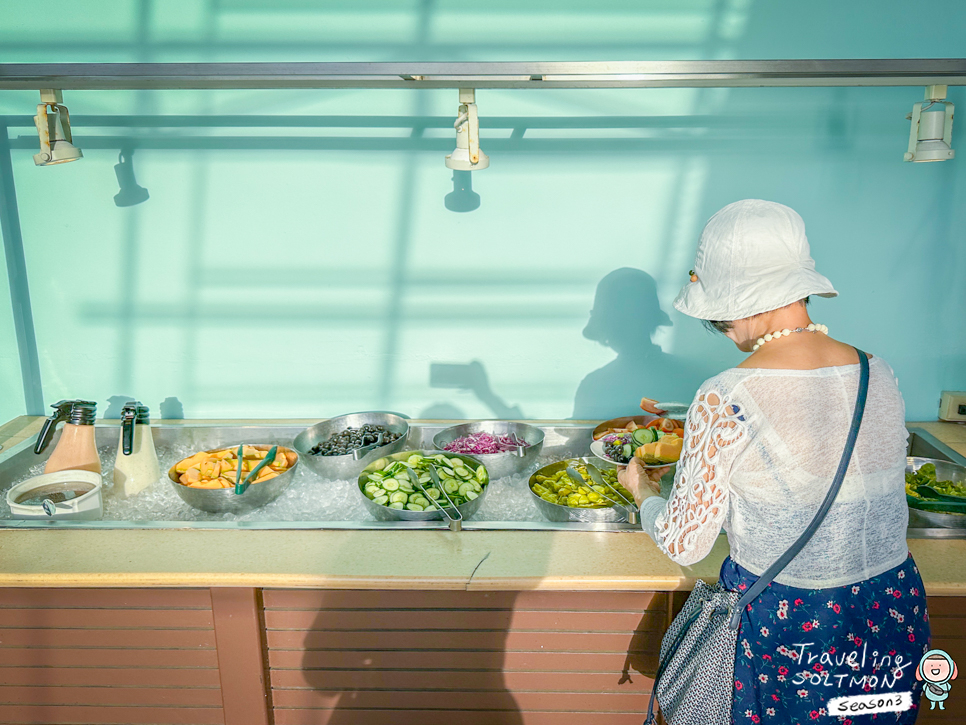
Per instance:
{"type": "Point", "coordinates": [472, 378]}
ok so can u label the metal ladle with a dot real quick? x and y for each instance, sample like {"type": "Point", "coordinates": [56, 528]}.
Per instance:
{"type": "Point", "coordinates": [629, 508]}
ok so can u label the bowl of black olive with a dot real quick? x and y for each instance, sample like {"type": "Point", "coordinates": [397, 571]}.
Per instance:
{"type": "Point", "coordinates": [339, 448]}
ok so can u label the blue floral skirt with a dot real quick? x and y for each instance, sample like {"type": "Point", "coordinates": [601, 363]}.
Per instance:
{"type": "Point", "coordinates": [800, 648]}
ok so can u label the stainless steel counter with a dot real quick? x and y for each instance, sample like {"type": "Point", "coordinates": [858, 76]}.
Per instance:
{"type": "Point", "coordinates": [509, 506]}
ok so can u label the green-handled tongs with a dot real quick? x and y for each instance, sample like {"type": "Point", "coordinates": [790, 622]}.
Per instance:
{"type": "Point", "coordinates": [242, 486]}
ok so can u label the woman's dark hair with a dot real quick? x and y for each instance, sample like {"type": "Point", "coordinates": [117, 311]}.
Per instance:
{"type": "Point", "coordinates": [724, 326]}
{"type": "Point", "coordinates": [721, 326]}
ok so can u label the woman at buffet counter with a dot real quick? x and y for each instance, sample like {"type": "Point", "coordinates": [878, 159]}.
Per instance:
{"type": "Point", "coordinates": [762, 443]}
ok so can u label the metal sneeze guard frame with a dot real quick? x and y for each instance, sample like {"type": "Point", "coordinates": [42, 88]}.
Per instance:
{"type": "Point", "coordinates": [558, 74]}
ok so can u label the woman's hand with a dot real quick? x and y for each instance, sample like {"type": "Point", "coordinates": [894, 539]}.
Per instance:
{"type": "Point", "coordinates": [641, 482]}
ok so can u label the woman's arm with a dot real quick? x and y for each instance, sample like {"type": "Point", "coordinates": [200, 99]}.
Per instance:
{"type": "Point", "coordinates": [686, 528]}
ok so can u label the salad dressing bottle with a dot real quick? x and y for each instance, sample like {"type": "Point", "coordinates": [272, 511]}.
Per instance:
{"type": "Point", "coordinates": [76, 449]}
{"type": "Point", "coordinates": [136, 466]}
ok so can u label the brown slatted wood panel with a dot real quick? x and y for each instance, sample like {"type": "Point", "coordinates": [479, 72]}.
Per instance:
{"type": "Point", "coordinates": [947, 620]}
{"type": "Point", "coordinates": [401, 658]}
{"type": "Point", "coordinates": [108, 656]}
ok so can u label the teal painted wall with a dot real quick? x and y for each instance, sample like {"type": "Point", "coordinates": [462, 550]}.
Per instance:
{"type": "Point", "coordinates": [322, 276]}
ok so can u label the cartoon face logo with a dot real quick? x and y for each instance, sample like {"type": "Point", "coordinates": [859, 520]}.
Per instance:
{"type": "Point", "coordinates": [936, 670]}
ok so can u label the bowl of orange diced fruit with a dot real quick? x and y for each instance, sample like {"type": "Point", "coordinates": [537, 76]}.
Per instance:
{"type": "Point", "coordinates": [206, 480]}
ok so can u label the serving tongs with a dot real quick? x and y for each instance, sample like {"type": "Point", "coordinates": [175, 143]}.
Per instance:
{"type": "Point", "coordinates": [629, 507]}
{"type": "Point", "coordinates": [455, 523]}
{"type": "Point", "coordinates": [360, 453]}
{"type": "Point", "coordinates": [928, 492]}
{"type": "Point", "coordinates": [520, 447]}
{"type": "Point", "coordinates": [242, 486]}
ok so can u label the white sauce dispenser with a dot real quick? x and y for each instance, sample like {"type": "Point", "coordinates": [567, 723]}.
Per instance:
{"type": "Point", "coordinates": [136, 466]}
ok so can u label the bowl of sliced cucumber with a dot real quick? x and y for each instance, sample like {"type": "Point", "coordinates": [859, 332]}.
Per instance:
{"type": "Point", "coordinates": [403, 487]}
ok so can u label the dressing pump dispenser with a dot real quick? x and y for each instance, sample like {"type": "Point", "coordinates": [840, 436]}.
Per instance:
{"type": "Point", "coordinates": [136, 466]}
{"type": "Point", "coordinates": [76, 449]}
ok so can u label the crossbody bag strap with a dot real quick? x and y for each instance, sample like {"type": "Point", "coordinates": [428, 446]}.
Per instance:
{"type": "Point", "coordinates": [775, 569]}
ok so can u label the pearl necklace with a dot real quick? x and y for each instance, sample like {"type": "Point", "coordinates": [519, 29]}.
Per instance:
{"type": "Point", "coordinates": [786, 332]}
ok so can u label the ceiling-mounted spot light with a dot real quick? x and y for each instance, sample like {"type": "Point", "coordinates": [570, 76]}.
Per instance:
{"type": "Point", "coordinates": [53, 127]}
{"type": "Point", "coordinates": [467, 156]}
{"type": "Point", "coordinates": [932, 128]}
{"type": "Point", "coordinates": [462, 197]}
{"type": "Point", "coordinates": [131, 193]}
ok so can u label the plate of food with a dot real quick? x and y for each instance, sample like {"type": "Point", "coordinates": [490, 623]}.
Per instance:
{"type": "Point", "coordinates": [657, 444]}
{"type": "Point", "coordinates": [656, 414]}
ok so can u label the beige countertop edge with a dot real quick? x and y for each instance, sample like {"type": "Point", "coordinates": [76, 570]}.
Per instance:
{"type": "Point", "coordinates": [583, 583]}
{"type": "Point", "coordinates": [129, 580]}
{"type": "Point", "coordinates": [308, 581]}
{"type": "Point", "coordinates": [290, 581]}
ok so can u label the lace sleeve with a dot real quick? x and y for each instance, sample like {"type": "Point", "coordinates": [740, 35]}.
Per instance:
{"type": "Point", "coordinates": [688, 527]}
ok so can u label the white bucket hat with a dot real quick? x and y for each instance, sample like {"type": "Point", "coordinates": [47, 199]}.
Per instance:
{"type": "Point", "coordinates": [753, 257]}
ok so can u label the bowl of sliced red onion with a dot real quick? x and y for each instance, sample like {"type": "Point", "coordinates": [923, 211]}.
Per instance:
{"type": "Point", "coordinates": [504, 448]}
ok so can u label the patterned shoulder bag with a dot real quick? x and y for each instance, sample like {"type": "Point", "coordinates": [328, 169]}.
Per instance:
{"type": "Point", "coordinates": [694, 684]}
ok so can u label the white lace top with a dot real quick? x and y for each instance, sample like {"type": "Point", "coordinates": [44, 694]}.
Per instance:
{"type": "Point", "coordinates": [760, 451]}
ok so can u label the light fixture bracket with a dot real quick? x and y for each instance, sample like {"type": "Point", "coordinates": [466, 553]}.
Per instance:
{"type": "Point", "coordinates": [467, 156]}
{"type": "Point", "coordinates": [53, 129]}
{"type": "Point", "coordinates": [930, 137]}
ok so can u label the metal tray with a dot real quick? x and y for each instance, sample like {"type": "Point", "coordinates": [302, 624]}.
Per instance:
{"type": "Point", "coordinates": [562, 439]}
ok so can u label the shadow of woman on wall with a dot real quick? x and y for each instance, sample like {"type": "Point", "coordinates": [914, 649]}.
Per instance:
{"type": "Point", "coordinates": [625, 316]}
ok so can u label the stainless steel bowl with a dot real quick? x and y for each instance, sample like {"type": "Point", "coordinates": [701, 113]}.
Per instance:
{"type": "Point", "coordinates": [384, 513]}
{"type": "Point", "coordinates": [497, 465]}
{"type": "Point", "coordinates": [342, 468]}
{"type": "Point", "coordinates": [945, 471]}
{"type": "Point", "coordinates": [556, 512]}
{"type": "Point", "coordinates": [225, 500]}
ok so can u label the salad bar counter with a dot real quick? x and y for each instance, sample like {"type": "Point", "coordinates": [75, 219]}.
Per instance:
{"type": "Point", "coordinates": [525, 485]}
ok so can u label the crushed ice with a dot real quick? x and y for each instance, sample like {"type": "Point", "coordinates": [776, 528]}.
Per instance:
{"type": "Point", "coordinates": [308, 498]}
